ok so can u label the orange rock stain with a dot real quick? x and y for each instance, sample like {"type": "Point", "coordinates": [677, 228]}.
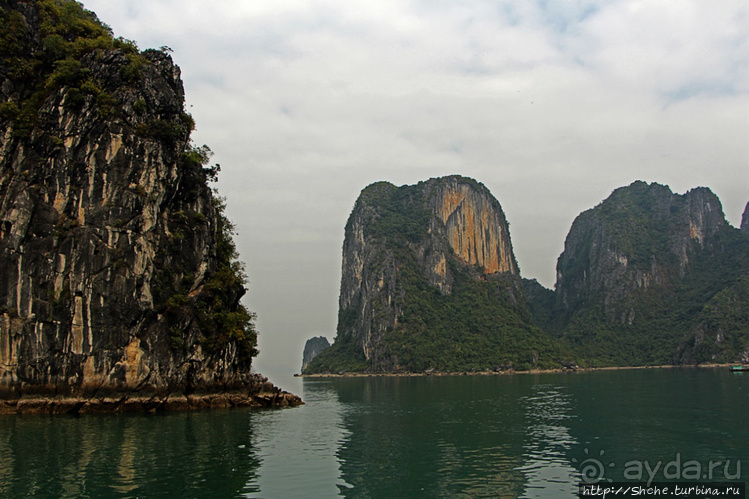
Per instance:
{"type": "Point", "coordinates": [473, 230]}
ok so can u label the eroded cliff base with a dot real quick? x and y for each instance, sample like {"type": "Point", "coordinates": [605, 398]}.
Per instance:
{"type": "Point", "coordinates": [257, 392]}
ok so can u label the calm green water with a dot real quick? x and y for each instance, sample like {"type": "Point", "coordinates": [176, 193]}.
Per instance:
{"type": "Point", "coordinates": [472, 436]}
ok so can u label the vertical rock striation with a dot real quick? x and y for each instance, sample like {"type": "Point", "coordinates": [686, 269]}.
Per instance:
{"type": "Point", "coordinates": [116, 277]}
{"type": "Point", "coordinates": [474, 224]}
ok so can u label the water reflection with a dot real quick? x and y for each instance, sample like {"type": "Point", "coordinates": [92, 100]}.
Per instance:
{"type": "Point", "coordinates": [454, 437]}
{"type": "Point", "coordinates": [296, 446]}
{"type": "Point", "coordinates": [547, 468]}
{"type": "Point", "coordinates": [181, 454]}
{"type": "Point", "coordinates": [495, 436]}
{"type": "Point", "coordinates": [125, 480]}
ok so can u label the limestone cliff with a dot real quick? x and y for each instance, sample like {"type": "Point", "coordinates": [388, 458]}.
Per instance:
{"type": "Point", "coordinates": [313, 348]}
{"type": "Point", "coordinates": [745, 219]}
{"type": "Point", "coordinates": [637, 269]}
{"type": "Point", "coordinates": [117, 271]}
{"type": "Point", "coordinates": [474, 224]}
{"type": "Point", "coordinates": [642, 236]}
{"type": "Point", "coordinates": [429, 281]}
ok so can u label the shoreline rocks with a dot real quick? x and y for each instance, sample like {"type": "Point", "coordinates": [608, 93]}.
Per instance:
{"type": "Point", "coordinates": [509, 372]}
{"type": "Point", "coordinates": [258, 393]}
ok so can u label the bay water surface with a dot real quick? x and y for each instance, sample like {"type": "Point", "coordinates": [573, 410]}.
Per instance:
{"type": "Point", "coordinates": [525, 435]}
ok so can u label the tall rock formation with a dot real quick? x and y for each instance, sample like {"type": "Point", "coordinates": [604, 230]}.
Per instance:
{"type": "Point", "coordinates": [745, 219]}
{"type": "Point", "coordinates": [637, 270]}
{"type": "Point", "coordinates": [429, 281]}
{"type": "Point", "coordinates": [313, 348]}
{"type": "Point", "coordinates": [118, 277]}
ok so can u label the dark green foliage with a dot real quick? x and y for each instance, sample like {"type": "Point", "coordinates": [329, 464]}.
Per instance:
{"type": "Point", "coordinates": [106, 102]}
{"type": "Point", "coordinates": [68, 33]}
{"type": "Point", "coordinates": [720, 265]}
{"type": "Point", "coordinates": [226, 251]}
{"type": "Point", "coordinates": [198, 159]}
{"type": "Point", "coordinates": [343, 356]}
{"type": "Point", "coordinates": [27, 117]}
{"type": "Point", "coordinates": [13, 33]}
{"type": "Point", "coordinates": [638, 219]}
{"type": "Point", "coordinates": [132, 72]}
{"type": "Point", "coordinates": [176, 338]}
{"type": "Point", "coordinates": [9, 110]}
{"type": "Point", "coordinates": [482, 325]}
{"type": "Point", "coordinates": [220, 316]}
{"type": "Point", "coordinates": [609, 317]}
{"type": "Point", "coordinates": [399, 212]}
{"type": "Point", "coordinates": [67, 72]}
{"type": "Point", "coordinates": [723, 327]}
{"type": "Point", "coordinates": [70, 20]}
{"type": "Point", "coordinates": [541, 304]}
{"type": "Point", "coordinates": [164, 130]}
{"type": "Point", "coordinates": [140, 107]}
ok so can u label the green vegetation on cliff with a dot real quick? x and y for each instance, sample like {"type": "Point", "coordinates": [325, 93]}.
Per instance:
{"type": "Point", "coordinates": [40, 61]}
{"type": "Point", "coordinates": [400, 213]}
{"type": "Point", "coordinates": [484, 324]}
{"type": "Point", "coordinates": [100, 172]}
{"type": "Point", "coordinates": [647, 277]}
{"type": "Point", "coordinates": [343, 356]}
{"type": "Point", "coordinates": [723, 326]}
{"type": "Point", "coordinates": [636, 273]}
{"type": "Point", "coordinates": [221, 317]}
{"type": "Point", "coordinates": [414, 305]}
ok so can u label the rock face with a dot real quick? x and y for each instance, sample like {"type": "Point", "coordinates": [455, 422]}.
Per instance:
{"type": "Point", "coordinates": [474, 224]}
{"type": "Point", "coordinates": [428, 269]}
{"type": "Point", "coordinates": [313, 348]}
{"type": "Point", "coordinates": [637, 269]}
{"type": "Point", "coordinates": [721, 333]}
{"type": "Point", "coordinates": [640, 237]}
{"type": "Point", "coordinates": [116, 268]}
{"type": "Point", "coordinates": [745, 219]}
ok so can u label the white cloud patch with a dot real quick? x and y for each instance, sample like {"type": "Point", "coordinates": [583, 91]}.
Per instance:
{"type": "Point", "coordinates": [552, 105]}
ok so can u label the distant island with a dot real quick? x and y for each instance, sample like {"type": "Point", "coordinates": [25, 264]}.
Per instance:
{"type": "Point", "coordinates": [430, 284]}
{"type": "Point", "coordinates": [313, 348]}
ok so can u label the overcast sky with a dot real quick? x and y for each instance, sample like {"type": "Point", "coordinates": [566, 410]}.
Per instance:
{"type": "Point", "coordinates": [550, 104]}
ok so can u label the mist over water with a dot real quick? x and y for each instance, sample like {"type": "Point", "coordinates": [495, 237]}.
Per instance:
{"type": "Point", "coordinates": [468, 436]}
